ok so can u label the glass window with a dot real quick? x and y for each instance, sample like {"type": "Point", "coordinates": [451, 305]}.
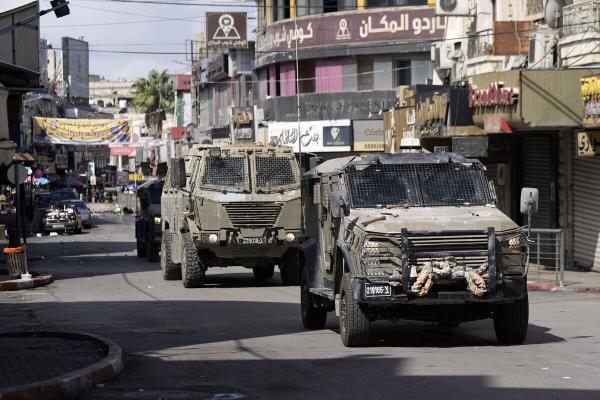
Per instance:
{"type": "Point", "coordinates": [276, 173]}
{"type": "Point", "coordinates": [226, 173]}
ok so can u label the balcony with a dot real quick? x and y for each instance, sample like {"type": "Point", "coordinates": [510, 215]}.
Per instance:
{"type": "Point", "coordinates": [580, 42]}
{"type": "Point", "coordinates": [481, 58]}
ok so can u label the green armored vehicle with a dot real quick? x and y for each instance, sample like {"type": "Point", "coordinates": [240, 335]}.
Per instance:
{"type": "Point", "coordinates": [231, 206]}
{"type": "Point", "coordinates": [411, 236]}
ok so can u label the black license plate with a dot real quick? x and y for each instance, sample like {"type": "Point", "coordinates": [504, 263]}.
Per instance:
{"type": "Point", "coordinates": [374, 290]}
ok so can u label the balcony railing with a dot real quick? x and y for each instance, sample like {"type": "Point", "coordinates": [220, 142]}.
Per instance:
{"type": "Point", "coordinates": [581, 18]}
{"type": "Point", "coordinates": [481, 45]}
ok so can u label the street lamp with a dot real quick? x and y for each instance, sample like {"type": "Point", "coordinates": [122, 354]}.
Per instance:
{"type": "Point", "coordinates": [60, 8]}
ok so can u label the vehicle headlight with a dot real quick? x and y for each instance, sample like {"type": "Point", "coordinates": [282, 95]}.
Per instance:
{"type": "Point", "coordinates": [157, 220]}
{"type": "Point", "coordinates": [213, 238]}
{"type": "Point", "coordinates": [290, 237]}
{"type": "Point", "coordinates": [514, 254]}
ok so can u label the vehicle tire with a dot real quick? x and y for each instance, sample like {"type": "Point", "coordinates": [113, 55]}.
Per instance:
{"type": "Point", "coordinates": [263, 272]}
{"type": "Point", "coordinates": [511, 321]}
{"type": "Point", "coordinates": [152, 251]}
{"type": "Point", "coordinates": [170, 270]}
{"type": "Point", "coordinates": [312, 317]}
{"type": "Point", "coordinates": [289, 269]}
{"type": "Point", "coordinates": [192, 270]}
{"type": "Point", "coordinates": [77, 230]}
{"type": "Point", "coordinates": [87, 226]}
{"type": "Point", "coordinates": [141, 249]}
{"type": "Point", "coordinates": [355, 327]}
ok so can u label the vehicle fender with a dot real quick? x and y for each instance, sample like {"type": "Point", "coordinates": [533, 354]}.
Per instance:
{"type": "Point", "coordinates": [312, 262]}
{"type": "Point", "coordinates": [343, 251]}
{"type": "Point", "coordinates": [191, 226]}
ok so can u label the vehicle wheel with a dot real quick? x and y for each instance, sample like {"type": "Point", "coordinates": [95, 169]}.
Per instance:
{"type": "Point", "coordinates": [511, 321]}
{"type": "Point", "coordinates": [87, 226]}
{"type": "Point", "coordinates": [354, 325]}
{"type": "Point", "coordinates": [290, 269]}
{"type": "Point", "coordinates": [170, 270]}
{"type": "Point", "coordinates": [192, 270]}
{"type": "Point", "coordinates": [312, 317]}
{"type": "Point", "coordinates": [77, 230]}
{"type": "Point", "coordinates": [263, 272]}
{"type": "Point", "coordinates": [152, 251]}
{"type": "Point", "coordinates": [141, 249]}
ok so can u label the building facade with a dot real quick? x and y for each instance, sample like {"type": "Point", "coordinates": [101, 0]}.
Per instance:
{"type": "Point", "coordinates": [335, 66]}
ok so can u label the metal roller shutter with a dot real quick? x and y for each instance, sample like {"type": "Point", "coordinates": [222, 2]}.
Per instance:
{"type": "Point", "coordinates": [586, 218]}
{"type": "Point", "coordinates": [537, 169]}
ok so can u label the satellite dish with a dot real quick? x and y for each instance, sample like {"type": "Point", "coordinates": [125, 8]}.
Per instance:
{"type": "Point", "coordinates": [552, 12]}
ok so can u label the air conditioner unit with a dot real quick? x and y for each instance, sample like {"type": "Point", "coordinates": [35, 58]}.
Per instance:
{"type": "Point", "coordinates": [452, 7]}
{"type": "Point", "coordinates": [439, 56]}
{"type": "Point", "coordinates": [541, 51]}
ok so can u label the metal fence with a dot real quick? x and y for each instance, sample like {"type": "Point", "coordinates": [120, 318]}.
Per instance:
{"type": "Point", "coordinates": [547, 254]}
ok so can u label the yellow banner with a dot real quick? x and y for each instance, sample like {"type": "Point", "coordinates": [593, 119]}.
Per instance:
{"type": "Point", "coordinates": [81, 131]}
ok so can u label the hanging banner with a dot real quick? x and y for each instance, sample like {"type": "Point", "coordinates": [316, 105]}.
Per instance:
{"type": "Point", "coordinates": [81, 131]}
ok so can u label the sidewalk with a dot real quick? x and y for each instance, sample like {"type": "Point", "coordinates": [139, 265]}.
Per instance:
{"type": "Point", "coordinates": [574, 281]}
{"type": "Point", "coordinates": [52, 365]}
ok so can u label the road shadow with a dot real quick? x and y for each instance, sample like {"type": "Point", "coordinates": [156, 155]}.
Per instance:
{"type": "Point", "coordinates": [221, 278]}
{"type": "Point", "coordinates": [347, 377]}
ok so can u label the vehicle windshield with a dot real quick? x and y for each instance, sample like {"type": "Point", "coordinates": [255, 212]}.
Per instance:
{"type": "Point", "coordinates": [77, 203]}
{"type": "Point", "coordinates": [60, 196]}
{"type": "Point", "coordinates": [226, 173]}
{"type": "Point", "coordinates": [417, 185]}
{"type": "Point", "coordinates": [276, 173]}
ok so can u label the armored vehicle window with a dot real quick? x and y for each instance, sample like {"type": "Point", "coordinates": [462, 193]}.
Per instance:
{"type": "Point", "coordinates": [276, 173]}
{"type": "Point", "coordinates": [448, 184]}
{"type": "Point", "coordinates": [229, 173]}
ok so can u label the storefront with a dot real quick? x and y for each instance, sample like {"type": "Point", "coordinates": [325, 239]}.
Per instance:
{"type": "Point", "coordinates": [536, 110]}
{"type": "Point", "coordinates": [586, 170]}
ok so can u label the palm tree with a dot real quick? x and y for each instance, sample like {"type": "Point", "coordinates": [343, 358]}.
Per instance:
{"type": "Point", "coordinates": [153, 96]}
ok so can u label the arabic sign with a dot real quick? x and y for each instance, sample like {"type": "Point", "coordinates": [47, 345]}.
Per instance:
{"type": "Point", "coordinates": [226, 30]}
{"type": "Point", "coordinates": [315, 136]}
{"type": "Point", "coordinates": [588, 144]}
{"type": "Point", "coordinates": [590, 93]}
{"type": "Point", "coordinates": [368, 135]}
{"type": "Point", "coordinates": [400, 24]}
{"type": "Point", "coordinates": [122, 151]}
{"type": "Point", "coordinates": [81, 131]}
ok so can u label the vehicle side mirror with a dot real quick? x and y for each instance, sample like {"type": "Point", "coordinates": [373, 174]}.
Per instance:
{"type": "Point", "coordinates": [529, 205]}
{"type": "Point", "coordinates": [178, 178]}
{"type": "Point", "coordinates": [529, 200]}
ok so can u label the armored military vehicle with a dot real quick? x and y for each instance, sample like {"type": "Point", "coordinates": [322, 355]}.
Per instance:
{"type": "Point", "coordinates": [411, 236]}
{"type": "Point", "coordinates": [232, 206]}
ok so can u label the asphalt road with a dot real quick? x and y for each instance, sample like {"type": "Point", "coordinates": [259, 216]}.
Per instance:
{"type": "Point", "coordinates": [236, 339]}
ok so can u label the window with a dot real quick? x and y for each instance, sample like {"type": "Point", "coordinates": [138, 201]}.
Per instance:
{"type": "Point", "coordinates": [306, 75]}
{"type": "Point", "coordinates": [390, 3]}
{"type": "Point", "coordinates": [401, 72]}
{"type": "Point", "coordinates": [364, 69]}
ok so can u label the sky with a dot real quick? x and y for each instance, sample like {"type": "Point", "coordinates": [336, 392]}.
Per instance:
{"type": "Point", "coordinates": [134, 27]}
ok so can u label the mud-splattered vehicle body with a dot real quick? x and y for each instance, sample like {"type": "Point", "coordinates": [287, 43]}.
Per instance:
{"type": "Point", "coordinates": [232, 206]}
{"type": "Point", "coordinates": [410, 236]}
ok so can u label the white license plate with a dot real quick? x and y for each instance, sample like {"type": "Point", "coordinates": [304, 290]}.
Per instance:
{"type": "Point", "coordinates": [372, 290]}
{"type": "Point", "coordinates": [251, 240]}
{"type": "Point", "coordinates": [57, 226]}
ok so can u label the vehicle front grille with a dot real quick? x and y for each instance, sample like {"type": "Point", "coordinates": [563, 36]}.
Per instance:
{"type": "Point", "coordinates": [452, 245]}
{"type": "Point", "coordinates": [253, 214]}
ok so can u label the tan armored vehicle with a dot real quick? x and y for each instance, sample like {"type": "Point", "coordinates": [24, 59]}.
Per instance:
{"type": "Point", "coordinates": [411, 236]}
{"type": "Point", "coordinates": [231, 206]}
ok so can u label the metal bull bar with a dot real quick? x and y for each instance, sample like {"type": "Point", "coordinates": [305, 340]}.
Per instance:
{"type": "Point", "coordinates": [408, 253]}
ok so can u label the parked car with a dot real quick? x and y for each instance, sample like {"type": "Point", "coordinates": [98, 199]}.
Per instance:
{"type": "Point", "coordinates": [84, 210]}
{"type": "Point", "coordinates": [62, 218]}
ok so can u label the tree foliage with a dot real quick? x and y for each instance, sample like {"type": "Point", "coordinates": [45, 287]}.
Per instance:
{"type": "Point", "coordinates": [154, 93]}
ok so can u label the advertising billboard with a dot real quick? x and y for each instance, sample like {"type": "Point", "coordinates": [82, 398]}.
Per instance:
{"type": "Point", "coordinates": [226, 30]}
{"type": "Point", "coordinates": [76, 68]}
{"type": "Point", "coordinates": [81, 131]}
{"type": "Point", "coordinates": [314, 136]}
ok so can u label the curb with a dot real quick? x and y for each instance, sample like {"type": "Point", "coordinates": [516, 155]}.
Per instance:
{"type": "Point", "coordinates": [549, 287]}
{"type": "Point", "coordinates": [20, 284]}
{"type": "Point", "coordinates": [70, 384]}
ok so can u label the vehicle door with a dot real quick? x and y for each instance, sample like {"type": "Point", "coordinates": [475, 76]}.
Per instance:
{"type": "Point", "coordinates": [326, 228]}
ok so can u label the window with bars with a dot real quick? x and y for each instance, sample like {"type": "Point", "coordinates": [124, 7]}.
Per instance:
{"type": "Point", "coordinates": [276, 173]}
{"type": "Point", "coordinates": [449, 184]}
{"type": "Point", "coordinates": [401, 73]}
{"type": "Point", "coordinates": [229, 173]}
